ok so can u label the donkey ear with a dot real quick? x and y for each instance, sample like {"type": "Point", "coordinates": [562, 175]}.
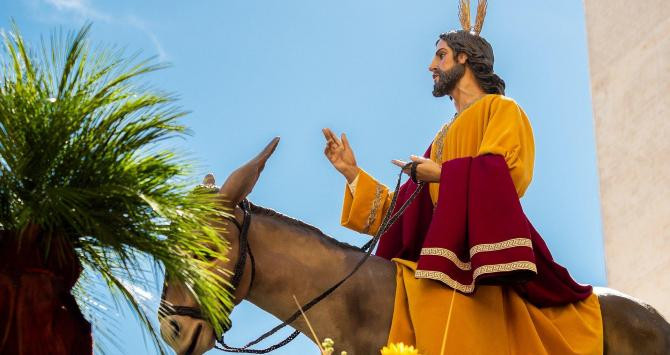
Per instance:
{"type": "Point", "coordinates": [240, 183]}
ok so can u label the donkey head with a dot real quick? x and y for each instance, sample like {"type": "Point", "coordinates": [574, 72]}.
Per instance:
{"type": "Point", "coordinates": [193, 335]}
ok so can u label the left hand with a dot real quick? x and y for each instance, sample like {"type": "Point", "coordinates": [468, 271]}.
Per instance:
{"type": "Point", "coordinates": [426, 170]}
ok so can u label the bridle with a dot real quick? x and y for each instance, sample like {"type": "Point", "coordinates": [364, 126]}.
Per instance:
{"type": "Point", "coordinates": [238, 272]}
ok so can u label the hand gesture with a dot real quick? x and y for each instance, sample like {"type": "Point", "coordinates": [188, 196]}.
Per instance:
{"type": "Point", "coordinates": [426, 169]}
{"type": "Point", "coordinates": [339, 154]}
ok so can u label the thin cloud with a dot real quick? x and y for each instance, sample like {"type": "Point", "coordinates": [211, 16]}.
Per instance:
{"type": "Point", "coordinates": [142, 26]}
{"type": "Point", "coordinates": [83, 10]}
{"type": "Point", "coordinates": [67, 4]}
{"type": "Point", "coordinates": [80, 8]}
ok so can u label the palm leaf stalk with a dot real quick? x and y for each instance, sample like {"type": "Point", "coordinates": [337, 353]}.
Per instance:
{"type": "Point", "coordinates": [86, 182]}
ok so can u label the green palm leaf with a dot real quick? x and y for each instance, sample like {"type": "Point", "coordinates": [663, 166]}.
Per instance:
{"type": "Point", "coordinates": [82, 156]}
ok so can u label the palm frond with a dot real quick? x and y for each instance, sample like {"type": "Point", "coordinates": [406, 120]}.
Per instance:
{"type": "Point", "coordinates": [81, 156]}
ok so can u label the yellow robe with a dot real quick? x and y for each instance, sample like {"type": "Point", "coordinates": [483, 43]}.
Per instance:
{"type": "Point", "coordinates": [495, 319]}
{"type": "Point", "coordinates": [494, 124]}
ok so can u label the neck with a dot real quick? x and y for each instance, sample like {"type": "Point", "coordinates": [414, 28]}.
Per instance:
{"type": "Point", "coordinates": [293, 260]}
{"type": "Point", "coordinates": [466, 92]}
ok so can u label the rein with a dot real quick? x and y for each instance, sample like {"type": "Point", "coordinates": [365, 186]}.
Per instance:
{"type": "Point", "coordinates": [387, 222]}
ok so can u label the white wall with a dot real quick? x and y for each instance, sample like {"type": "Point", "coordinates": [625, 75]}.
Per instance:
{"type": "Point", "coordinates": [629, 58]}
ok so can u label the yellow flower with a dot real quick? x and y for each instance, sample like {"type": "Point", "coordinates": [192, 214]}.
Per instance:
{"type": "Point", "coordinates": [399, 349]}
{"type": "Point", "coordinates": [328, 343]}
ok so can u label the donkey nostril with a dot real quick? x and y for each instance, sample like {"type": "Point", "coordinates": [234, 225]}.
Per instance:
{"type": "Point", "coordinates": [175, 328]}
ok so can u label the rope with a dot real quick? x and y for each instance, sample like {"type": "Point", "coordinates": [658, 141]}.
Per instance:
{"type": "Point", "coordinates": [446, 328]}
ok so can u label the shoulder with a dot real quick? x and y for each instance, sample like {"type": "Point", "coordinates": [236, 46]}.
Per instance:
{"type": "Point", "coordinates": [506, 109]}
{"type": "Point", "coordinates": [503, 105]}
{"type": "Point", "coordinates": [502, 102]}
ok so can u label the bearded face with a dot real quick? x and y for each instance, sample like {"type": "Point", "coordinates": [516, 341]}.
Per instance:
{"type": "Point", "coordinates": [446, 80]}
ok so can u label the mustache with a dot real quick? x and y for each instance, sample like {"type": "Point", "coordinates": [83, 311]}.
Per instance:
{"type": "Point", "coordinates": [447, 79]}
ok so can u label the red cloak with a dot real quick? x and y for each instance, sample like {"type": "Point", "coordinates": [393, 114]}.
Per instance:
{"type": "Point", "coordinates": [478, 234]}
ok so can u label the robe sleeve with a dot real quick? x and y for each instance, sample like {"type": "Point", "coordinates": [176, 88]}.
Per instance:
{"type": "Point", "coordinates": [509, 134]}
{"type": "Point", "coordinates": [352, 185]}
{"type": "Point", "coordinates": [364, 208]}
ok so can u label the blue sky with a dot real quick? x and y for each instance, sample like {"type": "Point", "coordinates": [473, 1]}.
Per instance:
{"type": "Point", "coordinates": [251, 70]}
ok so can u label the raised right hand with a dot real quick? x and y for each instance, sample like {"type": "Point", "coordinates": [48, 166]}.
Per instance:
{"type": "Point", "coordinates": [340, 154]}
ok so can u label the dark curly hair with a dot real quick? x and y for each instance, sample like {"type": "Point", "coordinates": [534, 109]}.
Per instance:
{"type": "Point", "coordinates": [480, 58]}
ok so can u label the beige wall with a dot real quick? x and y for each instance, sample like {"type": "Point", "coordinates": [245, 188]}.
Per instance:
{"type": "Point", "coordinates": [629, 58]}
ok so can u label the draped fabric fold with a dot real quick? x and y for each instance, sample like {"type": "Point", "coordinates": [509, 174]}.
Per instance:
{"type": "Point", "coordinates": [38, 314]}
{"type": "Point", "coordinates": [477, 234]}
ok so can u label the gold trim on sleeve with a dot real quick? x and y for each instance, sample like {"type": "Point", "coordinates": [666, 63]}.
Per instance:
{"type": "Point", "coordinates": [376, 202]}
{"type": "Point", "coordinates": [510, 243]}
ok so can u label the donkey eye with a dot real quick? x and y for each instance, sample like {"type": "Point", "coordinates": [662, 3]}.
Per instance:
{"type": "Point", "coordinates": [209, 256]}
{"type": "Point", "coordinates": [208, 253]}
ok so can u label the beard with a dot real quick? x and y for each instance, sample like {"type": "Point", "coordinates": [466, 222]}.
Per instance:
{"type": "Point", "coordinates": [447, 80]}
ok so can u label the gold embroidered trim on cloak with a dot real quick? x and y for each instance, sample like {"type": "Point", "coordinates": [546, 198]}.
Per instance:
{"type": "Point", "coordinates": [485, 269]}
{"type": "Point", "coordinates": [479, 248]}
{"type": "Point", "coordinates": [448, 254]}
{"type": "Point", "coordinates": [513, 266]}
{"type": "Point", "coordinates": [376, 202]}
{"type": "Point", "coordinates": [510, 243]}
{"type": "Point", "coordinates": [439, 142]}
{"type": "Point", "coordinates": [442, 134]}
{"type": "Point", "coordinates": [442, 277]}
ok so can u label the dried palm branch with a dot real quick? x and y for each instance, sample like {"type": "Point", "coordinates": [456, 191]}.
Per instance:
{"type": "Point", "coordinates": [464, 14]}
{"type": "Point", "coordinates": [481, 14]}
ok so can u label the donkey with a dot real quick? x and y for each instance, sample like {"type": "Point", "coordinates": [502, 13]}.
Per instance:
{"type": "Point", "coordinates": [284, 248]}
